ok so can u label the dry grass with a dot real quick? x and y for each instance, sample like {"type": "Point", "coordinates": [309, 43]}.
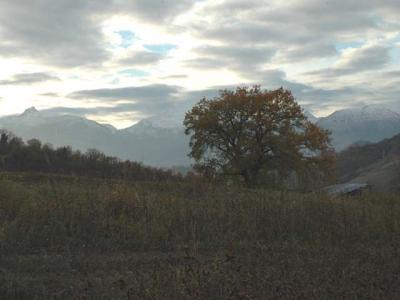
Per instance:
{"type": "Point", "coordinates": [71, 238]}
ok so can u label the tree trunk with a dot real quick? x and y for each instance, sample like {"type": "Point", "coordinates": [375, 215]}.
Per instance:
{"type": "Point", "coordinates": [250, 177]}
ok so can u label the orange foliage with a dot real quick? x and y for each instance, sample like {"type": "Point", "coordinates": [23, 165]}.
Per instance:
{"type": "Point", "coordinates": [249, 130]}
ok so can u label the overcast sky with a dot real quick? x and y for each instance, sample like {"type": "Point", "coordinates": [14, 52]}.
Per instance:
{"type": "Point", "coordinates": [118, 61]}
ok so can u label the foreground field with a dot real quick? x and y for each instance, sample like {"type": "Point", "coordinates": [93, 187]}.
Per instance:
{"type": "Point", "coordinates": [75, 238]}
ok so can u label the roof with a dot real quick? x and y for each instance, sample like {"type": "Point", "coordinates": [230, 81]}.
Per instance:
{"type": "Point", "coordinates": [345, 188]}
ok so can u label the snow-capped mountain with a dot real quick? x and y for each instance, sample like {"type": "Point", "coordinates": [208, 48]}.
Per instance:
{"type": "Point", "coordinates": [161, 141]}
{"type": "Point", "coordinates": [59, 130]}
{"type": "Point", "coordinates": [311, 117]}
{"type": "Point", "coordinates": [171, 120]}
{"type": "Point", "coordinates": [367, 124]}
{"type": "Point", "coordinates": [145, 141]}
{"type": "Point", "coordinates": [152, 143]}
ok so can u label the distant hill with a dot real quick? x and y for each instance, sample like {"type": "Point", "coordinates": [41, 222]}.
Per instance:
{"type": "Point", "coordinates": [383, 176]}
{"type": "Point", "coordinates": [377, 164]}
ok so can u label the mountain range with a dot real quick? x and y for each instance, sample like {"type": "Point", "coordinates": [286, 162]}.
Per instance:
{"type": "Point", "coordinates": [367, 124]}
{"type": "Point", "coordinates": [161, 141]}
{"type": "Point", "coordinates": [145, 141]}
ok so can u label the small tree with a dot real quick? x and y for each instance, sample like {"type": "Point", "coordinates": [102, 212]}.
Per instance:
{"type": "Point", "coordinates": [250, 130]}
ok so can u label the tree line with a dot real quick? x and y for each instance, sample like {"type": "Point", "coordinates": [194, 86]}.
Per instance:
{"type": "Point", "coordinates": [34, 156]}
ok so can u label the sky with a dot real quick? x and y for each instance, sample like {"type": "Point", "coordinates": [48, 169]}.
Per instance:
{"type": "Point", "coordinates": [119, 61]}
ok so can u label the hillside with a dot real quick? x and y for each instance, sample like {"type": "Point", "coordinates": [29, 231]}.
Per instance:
{"type": "Point", "coordinates": [382, 177]}
{"type": "Point", "coordinates": [376, 163]}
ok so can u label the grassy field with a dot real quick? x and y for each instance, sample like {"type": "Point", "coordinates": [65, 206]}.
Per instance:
{"type": "Point", "coordinates": [76, 238]}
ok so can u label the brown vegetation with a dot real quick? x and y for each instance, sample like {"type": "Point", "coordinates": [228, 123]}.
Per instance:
{"type": "Point", "coordinates": [76, 238]}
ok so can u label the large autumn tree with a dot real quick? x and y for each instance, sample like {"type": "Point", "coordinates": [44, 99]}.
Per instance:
{"type": "Point", "coordinates": [248, 131]}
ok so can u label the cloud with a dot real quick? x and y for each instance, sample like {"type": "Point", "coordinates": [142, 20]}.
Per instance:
{"type": "Point", "coordinates": [156, 100]}
{"type": "Point", "coordinates": [60, 33]}
{"type": "Point", "coordinates": [75, 111]}
{"type": "Point", "coordinates": [308, 51]}
{"type": "Point", "coordinates": [153, 92]}
{"type": "Point", "coordinates": [29, 78]}
{"type": "Point", "coordinates": [50, 94]}
{"type": "Point", "coordinates": [310, 97]}
{"type": "Point", "coordinates": [160, 48]}
{"type": "Point", "coordinates": [329, 53]}
{"type": "Point", "coordinates": [241, 59]}
{"type": "Point", "coordinates": [147, 100]}
{"type": "Point", "coordinates": [368, 58]}
{"type": "Point", "coordinates": [298, 30]}
{"type": "Point", "coordinates": [96, 110]}
{"type": "Point", "coordinates": [175, 76]}
{"type": "Point", "coordinates": [140, 58]}
{"type": "Point", "coordinates": [161, 100]}
{"type": "Point", "coordinates": [137, 107]}
{"type": "Point", "coordinates": [154, 11]}
{"type": "Point", "coordinates": [67, 33]}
